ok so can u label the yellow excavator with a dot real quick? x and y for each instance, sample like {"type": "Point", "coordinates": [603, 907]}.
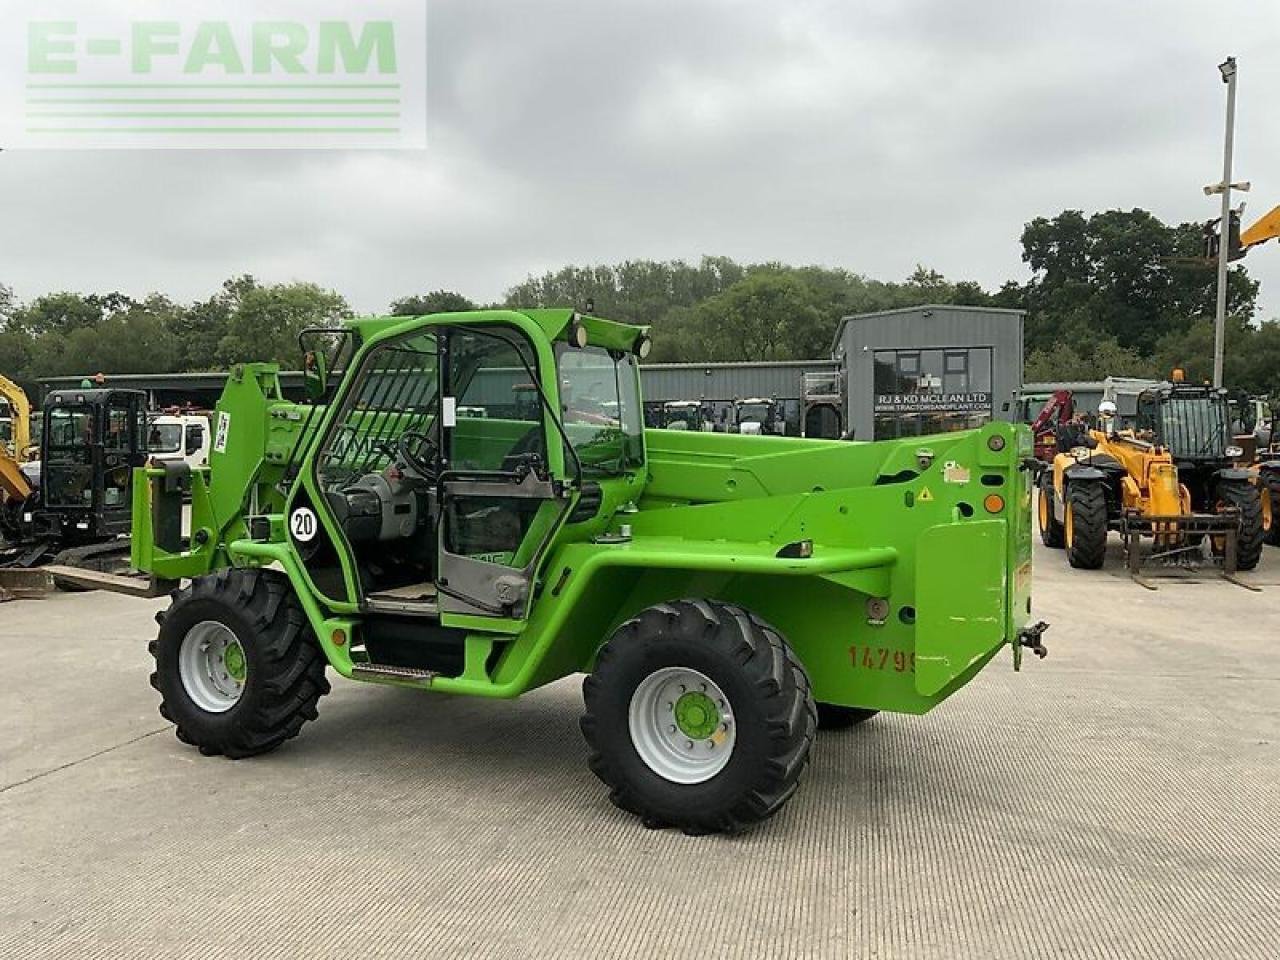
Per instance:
{"type": "Point", "coordinates": [1263, 229]}
{"type": "Point", "coordinates": [16, 448]}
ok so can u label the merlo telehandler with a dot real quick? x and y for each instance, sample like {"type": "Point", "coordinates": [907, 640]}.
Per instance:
{"type": "Point", "coordinates": [725, 594]}
{"type": "Point", "coordinates": [1171, 478]}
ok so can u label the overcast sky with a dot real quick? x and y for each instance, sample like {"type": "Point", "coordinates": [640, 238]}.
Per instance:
{"type": "Point", "coordinates": [870, 136]}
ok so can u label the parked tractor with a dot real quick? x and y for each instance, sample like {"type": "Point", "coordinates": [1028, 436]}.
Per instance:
{"type": "Point", "coordinates": [694, 415]}
{"type": "Point", "coordinates": [759, 415]}
{"type": "Point", "coordinates": [1171, 478]}
{"type": "Point", "coordinates": [726, 595]}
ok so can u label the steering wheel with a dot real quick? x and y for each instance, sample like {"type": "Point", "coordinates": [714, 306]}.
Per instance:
{"type": "Point", "coordinates": [418, 451]}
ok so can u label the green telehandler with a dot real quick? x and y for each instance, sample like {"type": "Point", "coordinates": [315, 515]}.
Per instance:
{"type": "Point", "coordinates": [417, 522]}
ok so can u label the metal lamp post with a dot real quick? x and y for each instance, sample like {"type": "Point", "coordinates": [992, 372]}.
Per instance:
{"type": "Point", "coordinates": [1228, 71]}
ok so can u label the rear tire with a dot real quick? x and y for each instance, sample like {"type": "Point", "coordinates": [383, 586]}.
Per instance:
{"type": "Point", "coordinates": [834, 717]}
{"type": "Point", "coordinates": [1270, 484]}
{"type": "Point", "coordinates": [1246, 498]}
{"type": "Point", "coordinates": [238, 669]}
{"type": "Point", "coordinates": [1051, 531]}
{"type": "Point", "coordinates": [677, 683]}
{"type": "Point", "coordinates": [1086, 526]}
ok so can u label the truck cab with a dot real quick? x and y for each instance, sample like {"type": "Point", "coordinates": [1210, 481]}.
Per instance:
{"type": "Point", "coordinates": [179, 437]}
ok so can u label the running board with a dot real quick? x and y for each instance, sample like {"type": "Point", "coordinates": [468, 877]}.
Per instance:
{"type": "Point", "coordinates": [387, 671]}
{"type": "Point", "coordinates": [406, 608]}
{"type": "Point", "coordinates": [144, 587]}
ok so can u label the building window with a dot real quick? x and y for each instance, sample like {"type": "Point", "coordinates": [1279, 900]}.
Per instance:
{"type": "Point", "coordinates": [919, 392]}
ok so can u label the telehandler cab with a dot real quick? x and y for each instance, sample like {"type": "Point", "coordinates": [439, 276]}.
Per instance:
{"type": "Point", "coordinates": [418, 525]}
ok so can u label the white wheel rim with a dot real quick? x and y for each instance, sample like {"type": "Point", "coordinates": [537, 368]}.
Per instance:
{"type": "Point", "coordinates": [212, 666]}
{"type": "Point", "coordinates": [682, 725]}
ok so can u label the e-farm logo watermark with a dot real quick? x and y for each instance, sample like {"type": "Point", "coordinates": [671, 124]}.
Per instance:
{"type": "Point", "coordinates": [218, 74]}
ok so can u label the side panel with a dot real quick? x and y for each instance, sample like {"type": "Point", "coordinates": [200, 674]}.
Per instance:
{"type": "Point", "coordinates": [961, 589]}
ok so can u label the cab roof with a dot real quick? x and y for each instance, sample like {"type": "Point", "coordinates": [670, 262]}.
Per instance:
{"type": "Point", "coordinates": [553, 322]}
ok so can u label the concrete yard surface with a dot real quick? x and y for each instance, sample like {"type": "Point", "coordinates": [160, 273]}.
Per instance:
{"type": "Point", "coordinates": [1120, 799]}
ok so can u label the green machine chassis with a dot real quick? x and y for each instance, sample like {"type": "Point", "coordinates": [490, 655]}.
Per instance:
{"type": "Point", "coordinates": [892, 571]}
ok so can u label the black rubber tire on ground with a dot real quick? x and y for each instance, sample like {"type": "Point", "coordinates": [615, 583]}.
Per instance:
{"type": "Point", "coordinates": [834, 717]}
{"type": "Point", "coordinates": [1270, 482]}
{"type": "Point", "coordinates": [1086, 532]}
{"type": "Point", "coordinates": [1051, 532]}
{"type": "Point", "coordinates": [769, 694]}
{"type": "Point", "coordinates": [1246, 498]}
{"type": "Point", "coordinates": [284, 675]}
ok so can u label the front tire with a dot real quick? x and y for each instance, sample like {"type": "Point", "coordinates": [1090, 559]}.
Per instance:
{"type": "Point", "coordinates": [698, 716]}
{"type": "Point", "coordinates": [1270, 482]}
{"type": "Point", "coordinates": [1085, 529]}
{"type": "Point", "coordinates": [237, 667]}
{"type": "Point", "coordinates": [1247, 499]}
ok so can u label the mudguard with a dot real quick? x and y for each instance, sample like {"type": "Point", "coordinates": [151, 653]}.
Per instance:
{"type": "Point", "coordinates": [1233, 473]}
{"type": "Point", "coordinates": [1083, 472]}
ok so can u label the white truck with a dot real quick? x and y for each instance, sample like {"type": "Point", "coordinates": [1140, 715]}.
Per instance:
{"type": "Point", "coordinates": [179, 436]}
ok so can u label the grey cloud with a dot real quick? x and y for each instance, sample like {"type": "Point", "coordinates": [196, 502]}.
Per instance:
{"type": "Point", "coordinates": [870, 136]}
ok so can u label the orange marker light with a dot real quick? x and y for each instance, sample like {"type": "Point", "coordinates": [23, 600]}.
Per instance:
{"type": "Point", "coordinates": [339, 638]}
{"type": "Point", "coordinates": [994, 503]}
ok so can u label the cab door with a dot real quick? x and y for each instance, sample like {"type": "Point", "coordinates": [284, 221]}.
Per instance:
{"type": "Point", "coordinates": [122, 447]}
{"type": "Point", "coordinates": [499, 504]}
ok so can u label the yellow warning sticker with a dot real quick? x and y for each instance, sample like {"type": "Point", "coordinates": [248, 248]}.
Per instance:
{"type": "Point", "coordinates": [925, 495]}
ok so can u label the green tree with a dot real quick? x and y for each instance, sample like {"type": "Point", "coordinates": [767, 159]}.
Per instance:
{"type": "Point", "coordinates": [60, 313]}
{"type": "Point", "coordinates": [1120, 274]}
{"type": "Point", "coordinates": [1095, 360]}
{"type": "Point", "coordinates": [266, 320]}
{"type": "Point", "coordinates": [200, 328]}
{"type": "Point", "coordinates": [437, 301]}
{"type": "Point", "coordinates": [766, 316]}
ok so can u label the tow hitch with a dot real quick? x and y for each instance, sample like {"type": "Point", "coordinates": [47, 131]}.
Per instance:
{"type": "Point", "coordinates": [1030, 637]}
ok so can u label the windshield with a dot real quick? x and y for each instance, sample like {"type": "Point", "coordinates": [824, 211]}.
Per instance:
{"type": "Point", "coordinates": [1194, 427]}
{"type": "Point", "coordinates": [600, 401]}
{"type": "Point", "coordinates": [68, 470]}
{"type": "Point", "coordinates": [164, 437]}
{"type": "Point", "coordinates": [682, 417]}
{"type": "Point", "coordinates": [754, 412]}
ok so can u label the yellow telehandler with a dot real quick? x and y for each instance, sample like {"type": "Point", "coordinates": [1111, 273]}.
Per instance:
{"type": "Point", "coordinates": [1170, 478]}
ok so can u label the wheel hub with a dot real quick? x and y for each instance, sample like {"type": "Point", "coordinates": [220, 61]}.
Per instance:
{"type": "Point", "coordinates": [212, 666]}
{"type": "Point", "coordinates": [696, 715]}
{"type": "Point", "coordinates": [682, 725]}
{"type": "Point", "coordinates": [233, 659]}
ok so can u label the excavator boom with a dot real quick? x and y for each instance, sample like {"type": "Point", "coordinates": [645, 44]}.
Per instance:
{"type": "Point", "coordinates": [1263, 229]}
{"type": "Point", "coordinates": [20, 410]}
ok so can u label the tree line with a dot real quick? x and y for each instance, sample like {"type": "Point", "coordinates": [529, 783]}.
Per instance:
{"type": "Point", "coordinates": [1113, 293]}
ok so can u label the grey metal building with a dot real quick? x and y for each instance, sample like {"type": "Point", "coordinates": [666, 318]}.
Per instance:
{"type": "Point", "coordinates": [928, 369]}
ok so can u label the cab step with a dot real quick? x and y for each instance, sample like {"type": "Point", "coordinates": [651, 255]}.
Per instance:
{"type": "Point", "coordinates": [388, 671]}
